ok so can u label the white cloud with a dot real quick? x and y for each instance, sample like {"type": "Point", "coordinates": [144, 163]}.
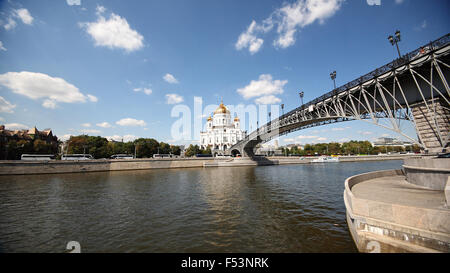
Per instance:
{"type": "Point", "coordinates": [92, 98]}
{"type": "Point", "coordinates": [321, 139]}
{"type": "Point", "coordinates": [271, 99]}
{"type": "Point", "coordinates": [422, 26]}
{"type": "Point", "coordinates": [146, 91]}
{"type": "Point", "coordinates": [73, 2]}
{"type": "Point", "coordinates": [375, 2]}
{"type": "Point", "coordinates": [131, 122]}
{"type": "Point", "coordinates": [290, 18]}
{"type": "Point", "coordinates": [170, 78]}
{"type": "Point", "coordinates": [100, 10]}
{"type": "Point", "coordinates": [307, 137]}
{"type": "Point", "coordinates": [289, 140]}
{"type": "Point", "coordinates": [89, 131]}
{"type": "Point", "coordinates": [338, 129]}
{"type": "Point", "coordinates": [174, 98]}
{"type": "Point", "coordinates": [114, 32]}
{"type": "Point", "coordinates": [366, 133]}
{"type": "Point", "coordinates": [86, 124]}
{"type": "Point", "coordinates": [51, 104]}
{"type": "Point", "coordinates": [264, 86]}
{"type": "Point", "coordinates": [125, 138]}
{"type": "Point", "coordinates": [37, 86]}
{"type": "Point", "coordinates": [249, 39]}
{"type": "Point", "coordinates": [399, 1]}
{"type": "Point", "coordinates": [25, 16]}
{"type": "Point", "coordinates": [16, 126]}
{"type": "Point", "coordinates": [65, 137]}
{"type": "Point", "coordinates": [104, 125]}
{"type": "Point", "coordinates": [10, 25]}
{"type": "Point", "coordinates": [6, 106]}
{"type": "Point", "coordinates": [1, 46]}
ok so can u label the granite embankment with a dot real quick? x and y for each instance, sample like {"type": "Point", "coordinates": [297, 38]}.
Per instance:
{"type": "Point", "coordinates": [401, 210]}
{"type": "Point", "coordinates": [14, 167]}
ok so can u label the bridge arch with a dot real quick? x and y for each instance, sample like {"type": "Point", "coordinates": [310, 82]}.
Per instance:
{"type": "Point", "coordinates": [235, 152]}
{"type": "Point", "coordinates": [414, 88]}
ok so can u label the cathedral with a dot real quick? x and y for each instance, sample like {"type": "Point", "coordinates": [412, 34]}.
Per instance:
{"type": "Point", "coordinates": [221, 132]}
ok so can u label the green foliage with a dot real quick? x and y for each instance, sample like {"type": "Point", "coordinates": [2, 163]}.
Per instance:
{"type": "Point", "coordinates": [95, 145]}
{"type": "Point", "coordinates": [193, 150]}
{"type": "Point", "coordinates": [13, 149]}
{"type": "Point", "coordinates": [348, 148]}
{"type": "Point", "coordinates": [175, 150]}
{"type": "Point", "coordinates": [99, 147]}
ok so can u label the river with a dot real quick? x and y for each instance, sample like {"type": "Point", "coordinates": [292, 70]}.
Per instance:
{"type": "Point", "coordinates": [286, 208]}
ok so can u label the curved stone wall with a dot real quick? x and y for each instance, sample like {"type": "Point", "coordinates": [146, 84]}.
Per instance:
{"type": "Point", "coordinates": [431, 173]}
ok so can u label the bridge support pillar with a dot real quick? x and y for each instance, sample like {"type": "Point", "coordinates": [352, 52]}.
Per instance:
{"type": "Point", "coordinates": [432, 124]}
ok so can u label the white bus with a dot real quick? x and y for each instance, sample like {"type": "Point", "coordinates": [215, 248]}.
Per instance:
{"type": "Point", "coordinates": [122, 156]}
{"type": "Point", "coordinates": [36, 157]}
{"type": "Point", "coordinates": [162, 156]}
{"type": "Point", "coordinates": [76, 157]}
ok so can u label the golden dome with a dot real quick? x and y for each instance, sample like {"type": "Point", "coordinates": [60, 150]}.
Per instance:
{"type": "Point", "coordinates": [236, 119]}
{"type": "Point", "coordinates": [222, 109]}
{"type": "Point", "coordinates": [209, 118]}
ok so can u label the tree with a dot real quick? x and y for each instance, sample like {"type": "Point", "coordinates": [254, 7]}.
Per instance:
{"type": "Point", "coordinates": [175, 150]}
{"type": "Point", "coordinates": [95, 145]}
{"type": "Point", "coordinates": [41, 147]}
{"type": "Point", "coordinates": [192, 150]}
{"type": "Point", "coordinates": [146, 147]}
{"type": "Point", "coordinates": [164, 148]}
{"type": "Point", "coordinates": [206, 151]}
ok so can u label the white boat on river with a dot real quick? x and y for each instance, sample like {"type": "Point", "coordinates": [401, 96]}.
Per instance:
{"type": "Point", "coordinates": [325, 159]}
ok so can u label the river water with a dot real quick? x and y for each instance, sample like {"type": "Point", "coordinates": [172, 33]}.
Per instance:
{"type": "Point", "coordinates": [288, 208]}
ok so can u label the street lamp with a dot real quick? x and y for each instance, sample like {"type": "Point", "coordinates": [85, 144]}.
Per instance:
{"type": "Point", "coordinates": [395, 40]}
{"type": "Point", "coordinates": [333, 77]}
{"type": "Point", "coordinates": [301, 96]}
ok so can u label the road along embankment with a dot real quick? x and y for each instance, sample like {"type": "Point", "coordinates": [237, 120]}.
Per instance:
{"type": "Point", "coordinates": [17, 167]}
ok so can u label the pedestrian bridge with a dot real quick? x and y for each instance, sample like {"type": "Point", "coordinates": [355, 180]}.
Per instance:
{"type": "Point", "coordinates": [413, 88]}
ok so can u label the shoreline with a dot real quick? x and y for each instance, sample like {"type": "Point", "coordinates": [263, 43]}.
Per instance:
{"type": "Point", "coordinates": [18, 167]}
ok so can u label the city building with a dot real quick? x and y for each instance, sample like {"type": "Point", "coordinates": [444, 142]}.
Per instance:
{"type": "Point", "coordinates": [221, 131]}
{"type": "Point", "coordinates": [299, 146]}
{"type": "Point", "coordinates": [14, 143]}
{"type": "Point", "coordinates": [29, 135]}
{"type": "Point", "coordinates": [268, 150]}
{"type": "Point", "coordinates": [390, 141]}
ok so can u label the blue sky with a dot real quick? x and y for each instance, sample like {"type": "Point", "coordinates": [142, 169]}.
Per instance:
{"type": "Point", "coordinates": [117, 68]}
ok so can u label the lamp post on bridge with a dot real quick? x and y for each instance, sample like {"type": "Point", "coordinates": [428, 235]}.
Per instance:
{"type": "Point", "coordinates": [333, 77]}
{"type": "Point", "coordinates": [395, 40]}
{"type": "Point", "coordinates": [301, 97]}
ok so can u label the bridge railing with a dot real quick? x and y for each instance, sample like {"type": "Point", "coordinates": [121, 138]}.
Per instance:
{"type": "Point", "coordinates": [405, 59]}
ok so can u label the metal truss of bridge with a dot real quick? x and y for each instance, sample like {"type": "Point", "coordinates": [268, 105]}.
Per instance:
{"type": "Point", "coordinates": [413, 88]}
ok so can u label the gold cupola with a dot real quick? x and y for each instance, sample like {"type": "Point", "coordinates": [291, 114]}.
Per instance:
{"type": "Point", "coordinates": [222, 109]}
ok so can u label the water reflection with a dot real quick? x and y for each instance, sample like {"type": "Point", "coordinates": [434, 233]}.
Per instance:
{"type": "Point", "coordinates": [292, 208]}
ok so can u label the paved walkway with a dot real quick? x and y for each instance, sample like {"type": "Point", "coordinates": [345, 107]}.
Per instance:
{"type": "Point", "coordinates": [396, 190]}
